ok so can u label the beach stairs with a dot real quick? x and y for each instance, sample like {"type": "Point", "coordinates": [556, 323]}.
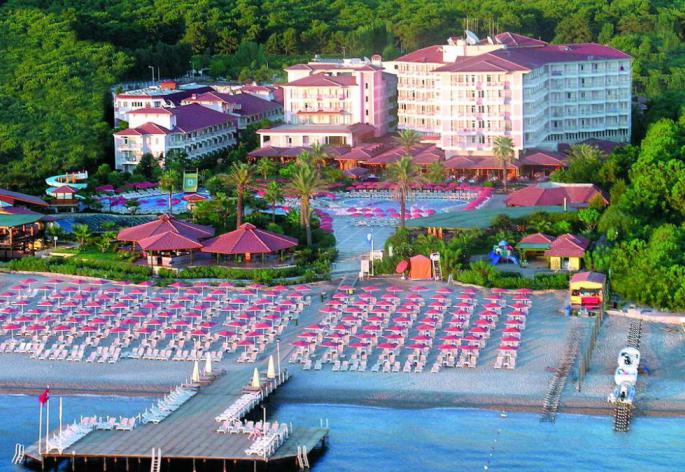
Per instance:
{"type": "Point", "coordinates": [156, 462]}
{"type": "Point", "coordinates": [18, 457]}
{"type": "Point", "coordinates": [302, 458]}
{"type": "Point", "coordinates": [550, 406]}
{"type": "Point", "coordinates": [622, 415]}
{"type": "Point", "coordinates": [634, 334]}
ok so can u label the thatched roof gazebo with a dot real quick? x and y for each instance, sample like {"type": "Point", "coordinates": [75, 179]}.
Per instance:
{"type": "Point", "coordinates": [248, 240]}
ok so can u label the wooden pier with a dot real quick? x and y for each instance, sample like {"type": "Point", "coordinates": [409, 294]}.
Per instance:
{"type": "Point", "coordinates": [189, 433]}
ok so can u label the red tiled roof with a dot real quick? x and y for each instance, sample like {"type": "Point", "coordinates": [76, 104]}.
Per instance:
{"type": "Point", "coordinates": [487, 62]}
{"type": "Point", "coordinates": [168, 241]}
{"type": "Point", "coordinates": [248, 239]}
{"type": "Point", "coordinates": [518, 40]}
{"type": "Point", "coordinates": [568, 245]}
{"type": "Point", "coordinates": [64, 189]}
{"type": "Point", "coordinates": [596, 277]}
{"type": "Point", "coordinates": [430, 54]}
{"type": "Point", "coordinates": [524, 58]}
{"type": "Point", "coordinates": [193, 117]}
{"type": "Point", "coordinates": [362, 152]}
{"type": "Point", "coordinates": [429, 156]}
{"type": "Point", "coordinates": [248, 104]}
{"type": "Point", "coordinates": [537, 238]}
{"type": "Point", "coordinates": [162, 225]}
{"type": "Point", "coordinates": [145, 128]}
{"type": "Point", "coordinates": [323, 80]}
{"type": "Point", "coordinates": [12, 197]}
{"type": "Point", "coordinates": [543, 158]}
{"type": "Point", "coordinates": [575, 194]}
{"type": "Point", "coordinates": [477, 163]}
{"type": "Point", "coordinates": [539, 56]}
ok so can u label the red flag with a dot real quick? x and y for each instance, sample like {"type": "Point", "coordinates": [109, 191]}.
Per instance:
{"type": "Point", "coordinates": [43, 398]}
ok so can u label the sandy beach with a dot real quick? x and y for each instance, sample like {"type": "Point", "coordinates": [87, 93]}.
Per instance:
{"type": "Point", "coordinates": [661, 389]}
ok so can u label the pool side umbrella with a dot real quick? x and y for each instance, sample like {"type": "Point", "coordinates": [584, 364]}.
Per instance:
{"type": "Point", "coordinates": [255, 379]}
{"type": "Point", "coordinates": [271, 370]}
{"type": "Point", "coordinates": [196, 372]}
{"type": "Point", "coordinates": [208, 364]}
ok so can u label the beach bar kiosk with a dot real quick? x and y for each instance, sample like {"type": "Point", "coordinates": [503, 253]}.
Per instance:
{"type": "Point", "coordinates": [587, 291]}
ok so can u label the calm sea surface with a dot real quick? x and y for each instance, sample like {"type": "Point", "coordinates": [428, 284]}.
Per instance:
{"type": "Point", "coordinates": [379, 439]}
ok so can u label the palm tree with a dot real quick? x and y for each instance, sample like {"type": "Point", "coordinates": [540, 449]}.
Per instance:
{"type": "Point", "coordinates": [402, 173]}
{"type": "Point", "coordinates": [82, 233]}
{"type": "Point", "coordinates": [436, 172]}
{"type": "Point", "coordinates": [240, 178]}
{"type": "Point", "coordinates": [319, 154]}
{"type": "Point", "coordinates": [503, 149]}
{"type": "Point", "coordinates": [273, 195]}
{"type": "Point", "coordinates": [408, 138]}
{"type": "Point", "coordinates": [265, 167]}
{"type": "Point", "coordinates": [305, 181]}
{"type": "Point", "coordinates": [169, 182]}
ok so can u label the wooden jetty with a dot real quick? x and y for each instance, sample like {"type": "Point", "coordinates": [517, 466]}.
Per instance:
{"type": "Point", "coordinates": [189, 433]}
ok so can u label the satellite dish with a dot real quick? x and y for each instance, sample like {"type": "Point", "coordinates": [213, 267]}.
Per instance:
{"type": "Point", "coordinates": [471, 37]}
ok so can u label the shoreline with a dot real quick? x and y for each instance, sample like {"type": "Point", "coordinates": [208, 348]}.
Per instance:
{"type": "Point", "coordinates": [377, 399]}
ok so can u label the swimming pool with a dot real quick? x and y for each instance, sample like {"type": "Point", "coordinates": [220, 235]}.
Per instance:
{"type": "Point", "coordinates": [149, 204]}
{"type": "Point", "coordinates": [380, 207]}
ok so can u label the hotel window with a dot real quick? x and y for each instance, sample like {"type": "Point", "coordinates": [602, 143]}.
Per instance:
{"type": "Point", "coordinates": [481, 139]}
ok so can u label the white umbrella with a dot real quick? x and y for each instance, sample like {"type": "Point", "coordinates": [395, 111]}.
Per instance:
{"type": "Point", "coordinates": [255, 379]}
{"type": "Point", "coordinates": [196, 372]}
{"type": "Point", "coordinates": [271, 370]}
{"type": "Point", "coordinates": [208, 364]}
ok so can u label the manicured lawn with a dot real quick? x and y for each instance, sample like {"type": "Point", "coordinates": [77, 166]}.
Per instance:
{"type": "Point", "coordinates": [91, 253]}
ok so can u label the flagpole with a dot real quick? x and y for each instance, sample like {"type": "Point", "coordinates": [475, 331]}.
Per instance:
{"type": "Point", "coordinates": [47, 427]}
{"type": "Point", "coordinates": [40, 428]}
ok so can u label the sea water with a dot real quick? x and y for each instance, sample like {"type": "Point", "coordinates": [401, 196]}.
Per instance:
{"type": "Point", "coordinates": [385, 439]}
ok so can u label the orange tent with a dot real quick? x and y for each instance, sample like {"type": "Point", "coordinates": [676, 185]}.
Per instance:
{"type": "Point", "coordinates": [420, 267]}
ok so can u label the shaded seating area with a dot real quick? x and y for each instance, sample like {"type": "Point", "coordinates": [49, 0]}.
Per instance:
{"type": "Point", "coordinates": [166, 241]}
{"type": "Point", "coordinates": [21, 232]}
{"type": "Point", "coordinates": [246, 241]}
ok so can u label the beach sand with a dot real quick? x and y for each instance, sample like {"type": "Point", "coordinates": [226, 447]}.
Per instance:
{"type": "Point", "coordinates": [662, 391]}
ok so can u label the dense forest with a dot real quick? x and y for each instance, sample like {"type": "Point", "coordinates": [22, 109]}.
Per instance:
{"type": "Point", "coordinates": [60, 57]}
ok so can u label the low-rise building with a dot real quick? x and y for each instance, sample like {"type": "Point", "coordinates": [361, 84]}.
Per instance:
{"type": "Point", "coordinates": [197, 130]}
{"type": "Point", "coordinates": [167, 94]}
{"type": "Point", "coordinates": [245, 107]}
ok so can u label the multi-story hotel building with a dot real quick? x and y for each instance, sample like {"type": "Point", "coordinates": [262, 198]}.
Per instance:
{"type": "Point", "coordinates": [469, 91]}
{"type": "Point", "coordinates": [197, 130]}
{"type": "Point", "coordinates": [332, 102]}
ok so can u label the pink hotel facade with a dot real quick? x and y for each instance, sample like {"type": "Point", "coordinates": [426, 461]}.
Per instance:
{"type": "Point", "coordinates": [468, 92]}
{"type": "Point", "coordinates": [339, 103]}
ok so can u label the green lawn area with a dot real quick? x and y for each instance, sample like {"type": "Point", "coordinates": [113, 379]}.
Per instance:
{"type": "Point", "coordinates": [90, 253]}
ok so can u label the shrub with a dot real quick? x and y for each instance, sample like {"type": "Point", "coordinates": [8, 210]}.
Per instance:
{"type": "Point", "coordinates": [112, 270]}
